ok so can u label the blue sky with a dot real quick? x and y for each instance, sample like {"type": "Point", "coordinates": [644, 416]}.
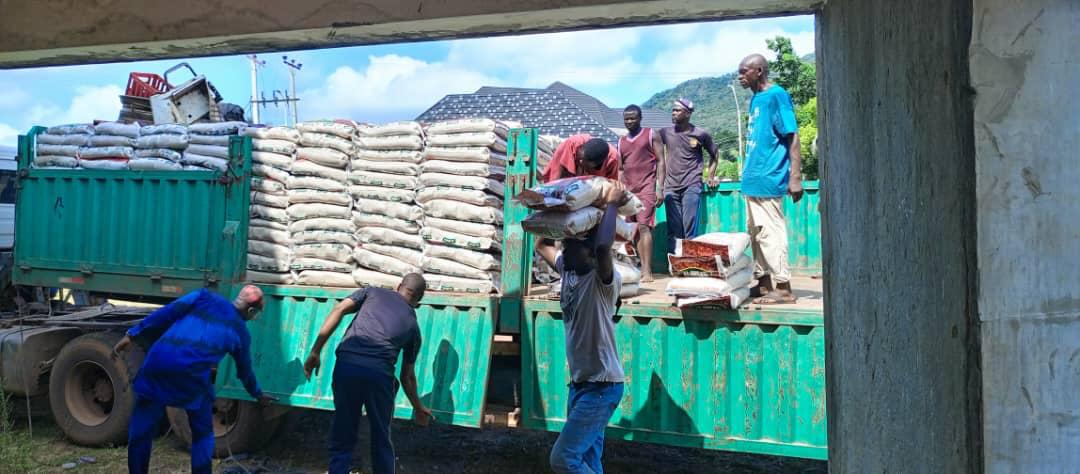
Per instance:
{"type": "Point", "coordinates": [397, 82]}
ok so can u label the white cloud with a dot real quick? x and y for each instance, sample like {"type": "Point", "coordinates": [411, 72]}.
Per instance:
{"type": "Point", "coordinates": [720, 52]}
{"type": "Point", "coordinates": [392, 87]}
{"type": "Point", "coordinates": [89, 103]}
{"type": "Point", "coordinates": [13, 97]}
{"type": "Point", "coordinates": [618, 66]}
{"type": "Point", "coordinates": [92, 103]}
{"type": "Point", "coordinates": [580, 58]}
{"type": "Point", "coordinates": [8, 136]}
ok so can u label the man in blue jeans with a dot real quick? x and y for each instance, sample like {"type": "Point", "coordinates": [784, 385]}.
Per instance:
{"type": "Point", "coordinates": [684, 160]}
{"type": "Point", "coordinates": [189, 338]}
{"type": "Point", "coordinates": [384, 326]}
{"type": "Point", "coordinates": [590, 291]}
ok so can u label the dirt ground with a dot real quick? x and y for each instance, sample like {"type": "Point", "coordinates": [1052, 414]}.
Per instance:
{"type": "Point", "coordinates": [299, 447]}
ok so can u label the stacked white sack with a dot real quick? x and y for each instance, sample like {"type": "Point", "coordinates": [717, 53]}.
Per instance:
{"type": "Point", "coordinates": [711, 269]}
{"type": "Point", "coordinates": [566, 208]}
{"type": "Point", "coordinates": [269, 237]}
{"type": "Point", "coordinates": [320, 209]}
{"type": "Point", "coordinates": [59, 146]}
{"type": "Point", "coordinates": [111, 147]}
{"type": "Point", "coordinates": [208, 145]}
{"type": "Point", "coordinates": [546, 146]}
{"type": "Point", "coordinates": [628, 271]}
{"type": "Point", "coordinates": [461, 191]}
{"type": "Point", "coordinates": [160, 147]}
{"type": "Point", "coordinates": [383, 181]}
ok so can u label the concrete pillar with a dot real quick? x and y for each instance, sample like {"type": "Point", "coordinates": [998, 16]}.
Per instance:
{"type": "Point", "coordinates": [899, 239]}
{"type": "Point", "coordinates": [1025, 69]}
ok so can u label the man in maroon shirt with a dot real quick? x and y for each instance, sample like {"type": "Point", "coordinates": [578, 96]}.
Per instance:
{"type": "Point", "coordinates": [582, 155]}
{"type": "Point", "coordinates": [579, 155]}
{"type": "Point", "coordinates": [642, 171]}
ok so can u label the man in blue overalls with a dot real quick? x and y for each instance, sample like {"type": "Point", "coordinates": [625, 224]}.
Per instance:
{"type": "Point", "coordinates": [191, 335]}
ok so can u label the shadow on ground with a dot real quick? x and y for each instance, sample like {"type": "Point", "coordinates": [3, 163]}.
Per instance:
{"type": "Point", "coordinates": [300, 448]}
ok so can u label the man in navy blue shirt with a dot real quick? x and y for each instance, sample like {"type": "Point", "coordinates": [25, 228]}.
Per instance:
{"type": "Point", "coordinates": [384, 326]}
{"type": "Point", "coordinates": [191, 336]}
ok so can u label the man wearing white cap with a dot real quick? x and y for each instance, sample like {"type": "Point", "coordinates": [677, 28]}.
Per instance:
{"type": "Point", "coordinates": [684, 149]}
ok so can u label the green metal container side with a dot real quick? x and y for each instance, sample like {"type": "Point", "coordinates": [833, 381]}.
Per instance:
{"type": "Point", "coordinates": [747, 381]}
{"type": "Point", "coordinates": [452, 368]}
{"type": "Point", "coordinates": [145, 233]}
{"type": "Point", "coordinates": [723, 209]}
{"type": "Point", "coordinates": [516, 271]}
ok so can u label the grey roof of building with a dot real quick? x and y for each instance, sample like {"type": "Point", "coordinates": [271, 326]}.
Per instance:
{"type": "Point", "coordinates": [556, 110]}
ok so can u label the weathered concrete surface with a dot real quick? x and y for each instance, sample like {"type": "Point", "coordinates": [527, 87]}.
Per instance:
{"type": "Point", "coordinates": [1025, 68]}
{"type": "Point", "coordinates": [53, 32]}
{"type": "Point", "coordinates": [899, 237]}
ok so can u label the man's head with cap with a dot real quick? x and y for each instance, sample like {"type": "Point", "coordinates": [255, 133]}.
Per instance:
{"type": "Point", "coordinates": [681, 110]}
{"type": "Point", "coordinates": [249, 302]}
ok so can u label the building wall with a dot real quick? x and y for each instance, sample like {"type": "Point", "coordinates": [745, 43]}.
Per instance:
{"type": "Point", "coordinates": [898, 177]}
{"type": "Point", "coordinates": [1025, 69]}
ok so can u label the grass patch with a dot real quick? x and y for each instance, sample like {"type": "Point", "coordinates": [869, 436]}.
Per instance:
{"type": "Point", "coordinates": [15, 455]}
{"type": "Point", "coordinates": [47, 450]}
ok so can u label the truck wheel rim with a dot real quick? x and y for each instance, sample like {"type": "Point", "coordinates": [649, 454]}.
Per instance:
{"type": "Point", "coordinates": [89, 393]}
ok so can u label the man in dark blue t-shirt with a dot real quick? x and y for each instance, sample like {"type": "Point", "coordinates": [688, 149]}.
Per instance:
{"type": "Point", "coordinates": [385, 324]}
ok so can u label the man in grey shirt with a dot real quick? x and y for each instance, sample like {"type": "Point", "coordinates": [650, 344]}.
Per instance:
{"type": "Point", "coordinates": [590, 291]}
{"type": "Point", "coordinates": [684, 159]}
{"type": "Point", "coordinates": [384, 327]}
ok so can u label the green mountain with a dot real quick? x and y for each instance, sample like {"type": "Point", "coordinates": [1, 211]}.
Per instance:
{"type": "Point", "coordinates": [714, 105]}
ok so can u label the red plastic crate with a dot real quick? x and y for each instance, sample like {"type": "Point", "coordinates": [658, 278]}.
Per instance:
{"type": "Point", "coordinates": [145, 84]}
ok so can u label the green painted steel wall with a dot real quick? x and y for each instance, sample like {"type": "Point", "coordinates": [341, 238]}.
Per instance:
{"type": "Point", "coordinates": [452, 368]}
{"type": "Point", "coordinates": [517, 245]}
{"type": "Point", "coordinates": [723, 209]}
{"type": "Point", "coordinates": [749, 381]}
{"type": "Point", "coordinates": [149, 233]}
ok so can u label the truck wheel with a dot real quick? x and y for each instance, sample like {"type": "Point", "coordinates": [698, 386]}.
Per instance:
{"type": "Point", "coordinates": [239, 426]}
{"type": "Point", "coordinates": [90, 392]}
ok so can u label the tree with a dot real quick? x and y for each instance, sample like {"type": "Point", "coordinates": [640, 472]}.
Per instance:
{"type": "Point", "coordinates": [806, 117]}
{"type": "Point", "coordinates": [799, 78]}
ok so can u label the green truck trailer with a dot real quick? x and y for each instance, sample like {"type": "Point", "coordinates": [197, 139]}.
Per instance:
{"type": "Point", "coordinates": [750, 380]}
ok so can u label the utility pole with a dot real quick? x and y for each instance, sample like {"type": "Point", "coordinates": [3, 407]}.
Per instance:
{"type": "Point", "coordinates": [255, 63]}
{"type": "Point", "coordinates": [738, 123]}
{"type": "Point", "coordinates": [293, 68]}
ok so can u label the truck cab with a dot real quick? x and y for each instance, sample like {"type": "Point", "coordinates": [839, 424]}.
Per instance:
{"type": "Point", "coordinates": [7, 198]}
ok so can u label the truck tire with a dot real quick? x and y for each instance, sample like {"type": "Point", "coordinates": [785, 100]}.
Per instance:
{"type": "Point", "coordinates": [239, 426]}
{"type": "Point", "coordinates": [90, 392]}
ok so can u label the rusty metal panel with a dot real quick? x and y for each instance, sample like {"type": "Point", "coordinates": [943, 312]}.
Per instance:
{"type": "Point", "coordinates": [452, 368]}
{"type": "Point", "coordinates": [517, 245]}
{"type": "Point", "coordinates": [148, 233]}
{"type": "Point", "coordinates": [747, 381]}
